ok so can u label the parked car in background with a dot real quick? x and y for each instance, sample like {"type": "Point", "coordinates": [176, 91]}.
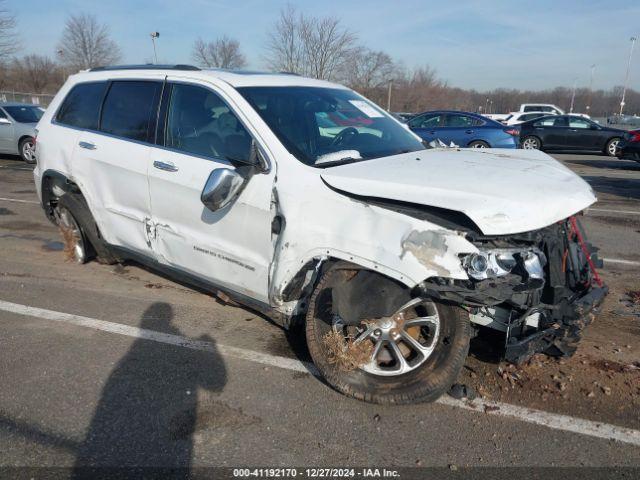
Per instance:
{"type": "Point", "coordinates": [571, 133]}
{"type": "Point", "coordinates": [549, 108]}
{"type": "Point", "coordinates": [629, 146]}
{"type": "Point", "coordinates": [18, 129]}
{"type": "Point", "coordinates": [464, 129]}
{"type": "Point", "coordinates": [516, 118]}
{"type": "Point", "coordinates": [631, 120]}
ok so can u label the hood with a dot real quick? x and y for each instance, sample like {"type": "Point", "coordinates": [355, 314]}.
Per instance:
{"type": "Point", "coordinates": [503, 193]}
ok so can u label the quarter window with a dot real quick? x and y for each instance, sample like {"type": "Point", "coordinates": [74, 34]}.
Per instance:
{"type": "Point", "coordinates": [199, 122]}
{"type": "Point", "coordinates": [129, 109]}
{"type": "Point", "coordinates": [81, 108]}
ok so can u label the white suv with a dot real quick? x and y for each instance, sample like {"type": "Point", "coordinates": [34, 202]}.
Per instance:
{"type": "Point", "coordinates": [304, 200]}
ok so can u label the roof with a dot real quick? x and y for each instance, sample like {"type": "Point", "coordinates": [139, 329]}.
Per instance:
{"type": "Point", "coordinates": [236, 78]}
{"type": "Point", "coordinates": [17, 104]}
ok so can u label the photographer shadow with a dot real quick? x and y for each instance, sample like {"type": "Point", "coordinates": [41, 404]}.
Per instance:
{"type": "Point", "coordinates": [147, 413]}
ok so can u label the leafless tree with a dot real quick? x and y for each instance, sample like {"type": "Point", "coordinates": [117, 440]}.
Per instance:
{"type": "Point", "coordinates": [8, 37]}
{"type": "Point", "coordinates": [85, 43]}
{"type": "Point", "coordinates": [366, 70]}
{"type": "Point", "coordinates": [223, 52]}
{"type": "Point", "coordinates": [35, 72]}
{"type": "Point", "coordinates": [284, 44]}
{"type": "Point", "coordinates": [312, 46]}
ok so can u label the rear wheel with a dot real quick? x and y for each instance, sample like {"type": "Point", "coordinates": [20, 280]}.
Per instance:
{"type": "Point", "coordinates": [612, 146]}
{"type": "Point", "coordinates": [27, 148]}
{"type": "Point", "coordinates": [531, 143]}
{"type": "Point", "coordinates": [74, 216]}
{"type": "Point", "coordinates": [413, 355]}
{"type": "Point", "coordinates": [478, 144]}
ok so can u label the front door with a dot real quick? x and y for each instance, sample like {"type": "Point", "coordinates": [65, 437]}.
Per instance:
{"type": "Point", "coordinates": [583, 134]}
{"type": "Point", "coordinates": [231, 247]}
{"type": "Point", "coordinates": [427, 126]}
{"type": "Point", "coordinates": [7, 142]}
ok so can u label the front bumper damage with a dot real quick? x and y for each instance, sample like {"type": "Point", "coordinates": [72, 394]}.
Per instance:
{"type": "Point", "coordinates": [537, 315]}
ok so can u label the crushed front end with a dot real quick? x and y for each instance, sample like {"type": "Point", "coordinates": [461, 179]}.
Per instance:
{"type": "Point", "coordinates": [540, 288]}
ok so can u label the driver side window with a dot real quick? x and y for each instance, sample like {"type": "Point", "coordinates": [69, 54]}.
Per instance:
{"type": "Point", "coordinates": [199, 122]}
{"type": "Point", "coordinates": [425, 121]}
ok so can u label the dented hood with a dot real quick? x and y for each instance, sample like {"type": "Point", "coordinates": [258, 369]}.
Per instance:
{"type": "Point", "coordinates": [502, 193]}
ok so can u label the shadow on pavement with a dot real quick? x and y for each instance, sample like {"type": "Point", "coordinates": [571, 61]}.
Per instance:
{"type": "Point", "coordinates": [147, 413]}
{"type": "Point", "coordinates": [622, 187]}
{"type": "Point", "coordinates": [612, 164]}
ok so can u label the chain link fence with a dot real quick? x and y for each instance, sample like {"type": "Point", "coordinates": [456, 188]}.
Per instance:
{"type": "Point", "coordinates": [41, 99]}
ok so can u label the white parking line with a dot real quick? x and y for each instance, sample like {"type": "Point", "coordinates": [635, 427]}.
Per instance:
{"type": "Point", "coordinates": [538, 417]}
{"type": "Point", "coordinates": [620, 261]}
{"type": "Point", "coordinates": [18, 201]}
{"type": "Point", "coordinates": [607, 210]}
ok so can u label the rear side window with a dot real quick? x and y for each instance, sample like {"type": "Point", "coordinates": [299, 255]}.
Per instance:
{"type": "Point", "coordinates": [462, 121]}
{"type": "Point", "coordinates": [81, 108]}
{"type": "Point", "coordinates": [130, 108]}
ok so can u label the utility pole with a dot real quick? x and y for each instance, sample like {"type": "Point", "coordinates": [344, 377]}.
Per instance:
{"type": "Point", "coordinates": [626, 78]}
{"type": "Point", "coordinates": [593, 67]}
{"type": "Point", "coordinates": [154, 35]}
{"type": "Point", "coordinates": [573, 96]}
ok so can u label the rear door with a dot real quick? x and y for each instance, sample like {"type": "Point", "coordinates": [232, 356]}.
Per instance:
{"type": "Point", "coordinates": [427, 126]}
{"type": "Point", "coordinates": [7, 142]}
{"type": "Point", "coordinates": [231, 247]}
{"type": "Point", "coordinates": [112, 163]}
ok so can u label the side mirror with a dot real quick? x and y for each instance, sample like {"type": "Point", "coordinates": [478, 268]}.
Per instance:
{"type": "Point", "coordinates": [5, 121]}
{"type": "Point", "coordinates": [594, 127]}
{"type": "Point", "coordinates": [221, 188]}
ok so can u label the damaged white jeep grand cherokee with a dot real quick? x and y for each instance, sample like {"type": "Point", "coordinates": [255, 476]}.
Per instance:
{"type": "Point", "coordinates": [304, 200]}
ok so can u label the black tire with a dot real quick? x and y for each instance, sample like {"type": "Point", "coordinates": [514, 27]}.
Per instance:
{"type": "Point", "coordinates": [478, 144]}
{"type": "Point", "coordinates": [79, 209]}
{"type": "Point", "coordinates": [25, 146]}
{"type": "Point", "coordinates": [426, 383]}
{"type": "Point", "coordinates": [532, 141]}
{"type": "Point", "coordinates": [610, 147]}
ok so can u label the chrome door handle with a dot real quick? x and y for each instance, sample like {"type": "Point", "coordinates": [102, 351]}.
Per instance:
{"type": "Point", "coordinates": [87, 145]}
{"type": "Point", "coordinates": [166, 166]}
{"type": "Point", "coordinates": [468, 131]}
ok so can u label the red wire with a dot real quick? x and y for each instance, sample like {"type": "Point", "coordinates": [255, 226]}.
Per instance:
{"type": "Point", "coordinates": [576, 230]}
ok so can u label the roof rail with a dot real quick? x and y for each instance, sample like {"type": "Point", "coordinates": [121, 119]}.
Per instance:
{"type": "Point", "coordinates": [149, 66]}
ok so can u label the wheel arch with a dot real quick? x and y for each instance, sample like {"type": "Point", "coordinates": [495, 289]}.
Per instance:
{"type": "Point", "coordinates": [54, 185]}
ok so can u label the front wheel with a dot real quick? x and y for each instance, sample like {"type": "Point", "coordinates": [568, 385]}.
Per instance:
{"type": "Point", "coordinates": [531, 143]}
{"type": "Point", "coordinates": [612, 146]}
{"type": "Point", "coordinates": [413, 355]}
{"type": "Point", "coordinates": [27, 150]}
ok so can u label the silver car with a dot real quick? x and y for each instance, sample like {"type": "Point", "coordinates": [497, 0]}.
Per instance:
{"type": "Point", "coordinates": [18, 129]}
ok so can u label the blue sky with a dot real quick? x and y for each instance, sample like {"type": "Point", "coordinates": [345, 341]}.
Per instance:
{"type": "Point", "coordinates": [472, 44]}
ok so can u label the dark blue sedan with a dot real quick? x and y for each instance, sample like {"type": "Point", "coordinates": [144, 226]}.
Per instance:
{"type": "Point", "coordinates": [464, 129]}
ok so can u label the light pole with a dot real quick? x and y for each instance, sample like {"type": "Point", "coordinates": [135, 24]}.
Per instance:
{"type": "Point", "coordinates": [593, 67]}
{"type": "Point", "coordinates": [573, 95]}
{"type": "Point", "coordinates": [154, 35]}
{"type": "Point", "coordinates": [626, 78]}
{"type": "Point", "coordinates": [60, 53]}
{"type": "Point", "coordinates": [389, 96]}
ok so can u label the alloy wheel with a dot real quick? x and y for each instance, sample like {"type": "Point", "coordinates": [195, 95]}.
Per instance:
{"type": "Point", "coordinates": [400, 343]}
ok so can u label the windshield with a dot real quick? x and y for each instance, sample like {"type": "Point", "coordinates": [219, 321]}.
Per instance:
{"type": "Point", "coordinates": [326, 126]}
{"type": "Point", "coordinates": [25, 114]}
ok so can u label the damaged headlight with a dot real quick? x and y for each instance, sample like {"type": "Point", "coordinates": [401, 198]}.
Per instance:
{"type": "Point", "coordinates": [500, 262]}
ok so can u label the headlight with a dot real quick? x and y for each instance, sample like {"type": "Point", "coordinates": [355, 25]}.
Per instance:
{"type": "Point", "coordinates": [499, 262]}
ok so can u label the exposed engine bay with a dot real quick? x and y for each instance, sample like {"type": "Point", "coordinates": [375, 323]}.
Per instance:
{"type": "Point", "coordinates": [538, 287]}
